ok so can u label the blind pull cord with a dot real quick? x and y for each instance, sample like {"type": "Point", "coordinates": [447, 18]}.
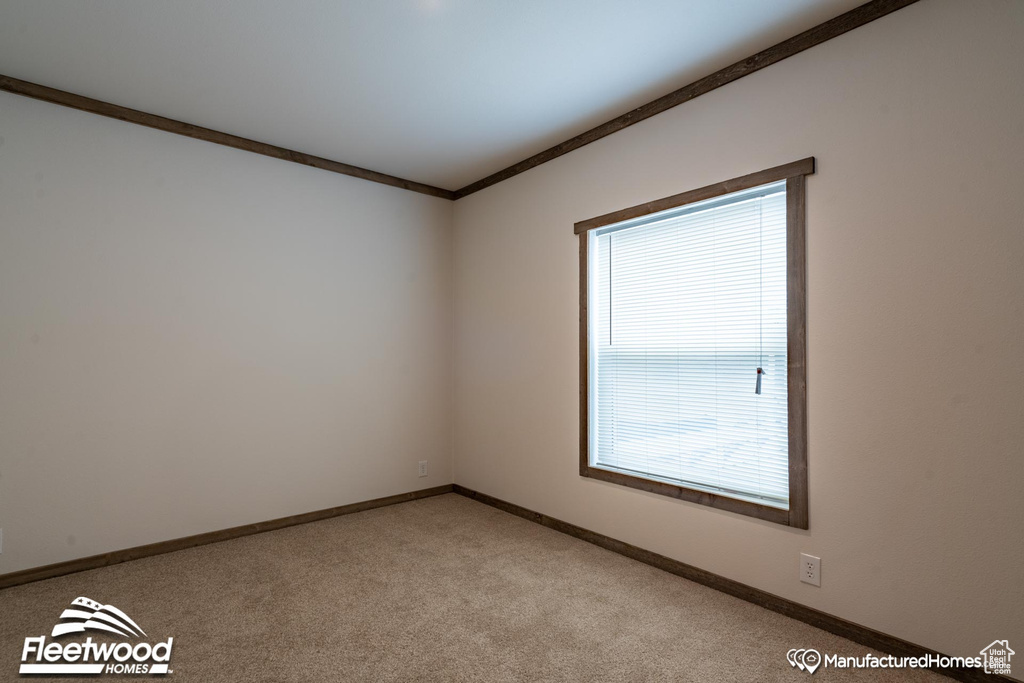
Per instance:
{"type": "Point", "coordinates": [760, 294]}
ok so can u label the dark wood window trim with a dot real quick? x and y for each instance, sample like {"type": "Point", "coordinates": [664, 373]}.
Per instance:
{"type": "Point", "coordinates": [794, 174]}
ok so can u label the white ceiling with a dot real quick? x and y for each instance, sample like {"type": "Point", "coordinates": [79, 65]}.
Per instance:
{"type": "Point", "coordinates": [444, 92]}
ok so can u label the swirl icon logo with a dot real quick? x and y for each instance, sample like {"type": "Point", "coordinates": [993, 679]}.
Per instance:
{"type": "Point", "coordinates": [804, 659]}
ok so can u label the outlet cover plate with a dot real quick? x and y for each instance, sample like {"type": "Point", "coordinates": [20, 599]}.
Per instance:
{"type": "Point", "coordinates": [810, 569]}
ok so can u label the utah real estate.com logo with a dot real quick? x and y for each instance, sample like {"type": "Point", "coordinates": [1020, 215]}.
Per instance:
{"type": "Point", "coordinates": [76, 658]}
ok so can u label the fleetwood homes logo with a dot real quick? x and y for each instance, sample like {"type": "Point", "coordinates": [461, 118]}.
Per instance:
{"type": "Point", "coordinates": [89, 657]}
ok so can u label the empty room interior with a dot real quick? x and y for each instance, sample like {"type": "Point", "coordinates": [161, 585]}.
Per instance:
{"type": "Point", "coordinates": [452, 340]}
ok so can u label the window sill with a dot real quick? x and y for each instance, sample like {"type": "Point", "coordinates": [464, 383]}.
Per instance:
{"type": "Point", "coordinates": [760, 511]}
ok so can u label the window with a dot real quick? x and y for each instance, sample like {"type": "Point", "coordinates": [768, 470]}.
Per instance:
{"type": "Point", "coordinates": [692, 339]}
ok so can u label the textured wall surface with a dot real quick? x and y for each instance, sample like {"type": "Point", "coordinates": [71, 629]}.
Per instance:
{"type": "Point", "coordinates": [915, 323]}
{"type": "Point", "coordinates": [194, 337]}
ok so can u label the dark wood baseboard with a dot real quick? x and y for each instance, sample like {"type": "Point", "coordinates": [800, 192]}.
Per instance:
{"type": "Point", "coordinates": [863, 635]}
{"type": "Point", "coordinates": [117, 556]}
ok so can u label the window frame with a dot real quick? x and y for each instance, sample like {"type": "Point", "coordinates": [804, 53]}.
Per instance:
{"type": "Point", "coordinates": [794, 174]}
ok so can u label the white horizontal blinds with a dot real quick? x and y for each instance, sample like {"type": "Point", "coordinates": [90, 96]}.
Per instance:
{"type": "Point", "coordinates": [685, 306]}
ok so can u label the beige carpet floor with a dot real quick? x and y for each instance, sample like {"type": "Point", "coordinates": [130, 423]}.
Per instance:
{"type": "Point", "coordinates": [440, 589]}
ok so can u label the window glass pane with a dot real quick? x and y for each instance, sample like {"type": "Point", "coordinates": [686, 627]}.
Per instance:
{"type": "Point", "coordinates": [684, 307]}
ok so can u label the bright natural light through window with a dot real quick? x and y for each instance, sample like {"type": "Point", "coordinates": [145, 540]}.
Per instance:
{"type": "Point", "coordinates": [687, 317]}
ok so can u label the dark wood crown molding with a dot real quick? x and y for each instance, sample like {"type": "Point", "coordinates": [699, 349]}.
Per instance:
{"type": "Point", "coordinates": [832, 28]}
{"type": "Point", "coordinates": [821, 33]}
{"type": "Point", "coordinates": [115, 111]}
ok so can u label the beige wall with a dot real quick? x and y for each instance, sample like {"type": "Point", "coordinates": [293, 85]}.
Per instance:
{"type": "Point", "coordinates": [915, 323]}
{"type": "Point", "coordinates": [194, 337]}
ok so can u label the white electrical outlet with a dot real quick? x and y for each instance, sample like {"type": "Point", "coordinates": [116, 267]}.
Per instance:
{"type": "Point", "coordinates": [810, 569]}
{"type": "Point", "coordinates": [423, 468]}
